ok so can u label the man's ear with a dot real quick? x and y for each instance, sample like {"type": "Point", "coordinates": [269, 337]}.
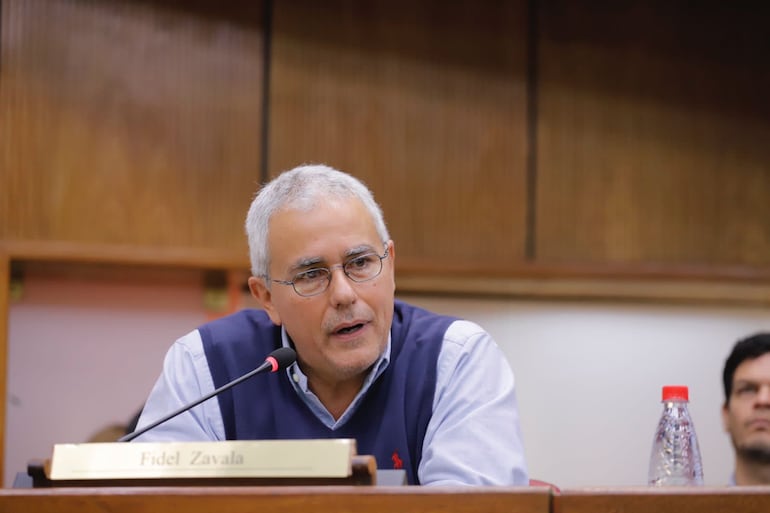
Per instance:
{"type": "Point", "coordinates": [264, 297]}
{"type": "Point", "coordinates": [392, 258]}
{"type": "Point", "coordinates": [725, 418]}
{"type": "Point", "coordinates": [392, 250]}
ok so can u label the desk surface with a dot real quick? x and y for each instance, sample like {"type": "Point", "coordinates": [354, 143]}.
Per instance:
{"type": "Point", "coordinates": [748, 499]}
{"type": "Point", "coordinates": [404, 499]}
{"type": "Point", "coordinates": [336, 499]}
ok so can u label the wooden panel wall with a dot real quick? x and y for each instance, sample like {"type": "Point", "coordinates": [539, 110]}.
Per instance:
{"type": "Point", "coordinates": [653, 133]}
{"type": "Point", "coordinates": [130, 123]}
{"type": "Point", "coordinates": [138, 124]}
{"type": "Point", "coordinates": [426, 102]}
{"type": "Point", "coordinates": [5, 285]}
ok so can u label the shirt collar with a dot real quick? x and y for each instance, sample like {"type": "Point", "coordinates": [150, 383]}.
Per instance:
{"type": "Point", "coordinates": [298, 380]}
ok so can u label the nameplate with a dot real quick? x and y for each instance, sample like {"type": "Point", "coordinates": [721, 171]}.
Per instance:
{"type": "Point", "coordinates": [236, 459]}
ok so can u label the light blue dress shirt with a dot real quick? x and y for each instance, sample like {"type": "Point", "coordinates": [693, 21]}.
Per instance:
{"type": "Point", "coordinates": [473, 436]}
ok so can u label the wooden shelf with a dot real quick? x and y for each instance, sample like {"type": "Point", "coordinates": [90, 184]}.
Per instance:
{"type": "Point", "coordinates": [91, 253]}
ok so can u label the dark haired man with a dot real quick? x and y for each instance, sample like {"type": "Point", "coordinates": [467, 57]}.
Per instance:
{"type": "Point", "coordinates": [746, 411]}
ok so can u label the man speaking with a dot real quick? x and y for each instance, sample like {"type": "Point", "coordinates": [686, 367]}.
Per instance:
{"type": "Point", "coordinates": [431, 394]}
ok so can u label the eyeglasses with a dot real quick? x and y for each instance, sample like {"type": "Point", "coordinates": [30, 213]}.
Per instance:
{"type": "Point", "coordinates": [315, 281]}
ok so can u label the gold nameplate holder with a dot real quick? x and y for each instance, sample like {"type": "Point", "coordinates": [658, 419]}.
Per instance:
{"type": "Point", "coordinates": [269, 462]}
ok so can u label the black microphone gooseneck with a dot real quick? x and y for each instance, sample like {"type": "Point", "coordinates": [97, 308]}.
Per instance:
{"type": "Point", "coordinates": [275, 361]}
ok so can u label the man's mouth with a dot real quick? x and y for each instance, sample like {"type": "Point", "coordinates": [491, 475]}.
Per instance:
{"type": "Point", "coordinates": [349, 329]}
{"type": "Point", "coordinates": [760, 424]}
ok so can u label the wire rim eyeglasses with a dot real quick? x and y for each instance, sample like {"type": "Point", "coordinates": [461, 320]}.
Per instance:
{"type": "Point", "coordinates": [359, 269]}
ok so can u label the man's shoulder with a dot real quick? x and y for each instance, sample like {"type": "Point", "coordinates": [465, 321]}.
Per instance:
{"type": "Point", "coordinates": [415, 323]}
{"type": "Point", "coordinates": [247, 316]}
{"type": "Point", "coordinates": [236, 325]}
{"type": "Point", "coordinates": [410, 312]}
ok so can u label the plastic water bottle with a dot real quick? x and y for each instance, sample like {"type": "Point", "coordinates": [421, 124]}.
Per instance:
{"type": "Point", "coordinates": [675, 458]}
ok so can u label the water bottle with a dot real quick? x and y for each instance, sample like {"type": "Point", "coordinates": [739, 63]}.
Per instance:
{"type": "Point", "coordinates": [675, 458]}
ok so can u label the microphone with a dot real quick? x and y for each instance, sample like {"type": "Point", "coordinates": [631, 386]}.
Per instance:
{"type": "Point", "coordinates": [275, 361]}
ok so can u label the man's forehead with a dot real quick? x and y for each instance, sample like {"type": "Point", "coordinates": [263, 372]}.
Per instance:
{"type": "Point", "coordinates": [754, 368]}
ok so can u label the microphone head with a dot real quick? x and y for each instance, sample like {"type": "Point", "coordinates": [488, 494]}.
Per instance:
{"type": "Point", "coordinates": [283, 357]}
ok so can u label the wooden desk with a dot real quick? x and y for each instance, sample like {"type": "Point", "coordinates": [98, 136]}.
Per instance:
{"type": "Point", "coordinates": [663, 500]}
{"type": "Point", "coordinates": [358, 499]}
{"type": "Point", "coordinates": [336, 499]}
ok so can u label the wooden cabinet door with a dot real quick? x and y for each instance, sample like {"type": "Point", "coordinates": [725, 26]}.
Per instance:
{"type": "Point", "coordinates": [653, 134]}
{"type": "Point", "coordinates": [426, 102]}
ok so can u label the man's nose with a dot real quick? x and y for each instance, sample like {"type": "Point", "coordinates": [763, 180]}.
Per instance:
{"type": "Point", "coordinates": [340, 287]}
{"type": "Point", "coordinates": [763, 395]}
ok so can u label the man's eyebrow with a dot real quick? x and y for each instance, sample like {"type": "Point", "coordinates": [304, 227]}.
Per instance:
{"type": "Point", "coordinates": [359, 250]}
{"type": "Point", "coordinates": [304, 263]}
{"type": "Point", "coordinates": [317, 261]}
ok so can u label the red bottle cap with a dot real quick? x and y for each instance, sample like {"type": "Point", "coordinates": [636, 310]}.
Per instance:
{"type": "Point", "coordinates": [673, 393]}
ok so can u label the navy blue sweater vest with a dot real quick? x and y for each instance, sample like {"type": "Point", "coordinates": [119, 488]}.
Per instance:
{"type": "Point", "coordinates": [389, 423]}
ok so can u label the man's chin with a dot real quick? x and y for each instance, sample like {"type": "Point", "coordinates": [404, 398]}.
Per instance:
{"type": "Point", "coordinates": [757, 452]}
{"type": "Point", "coordinates": [356, 363]}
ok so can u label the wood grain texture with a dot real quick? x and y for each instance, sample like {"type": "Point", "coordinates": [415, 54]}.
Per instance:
{"type": "Point", "coordinates": [426, 102]}
{"type": "Point", "coordinates": [130, 123]}
{"type": "Point", "coordinates": [5, 284]}
{"type": "Point", "coordinates": [680, 500]}
{"type": "Point", "coordinates": [278, 500]}
{"type": "Point", "coordinates": [79, 253]}
{"type": "Point", "coordinates": [653, 133]}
